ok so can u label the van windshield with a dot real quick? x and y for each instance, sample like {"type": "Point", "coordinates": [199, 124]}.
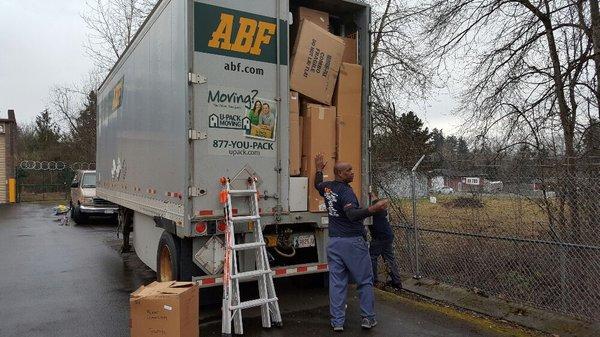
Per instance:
{"type": "Point", "coordinates": [89, 180]}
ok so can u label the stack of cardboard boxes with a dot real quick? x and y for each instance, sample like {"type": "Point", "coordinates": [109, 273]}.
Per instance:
{"type": "Point", "coordinates": [325, 103]}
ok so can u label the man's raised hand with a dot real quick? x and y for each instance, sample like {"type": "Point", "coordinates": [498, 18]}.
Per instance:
{"type": "Point", "coordinates": [320, 162]}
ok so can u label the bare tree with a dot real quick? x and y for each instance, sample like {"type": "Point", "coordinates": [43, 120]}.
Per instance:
{"type": "Point", "coordinates": [530, 68]}
{"type": "Point", "coordinates": [112, 25]}
{"type": "Point", "coordinates": [399, 72]}
{"type": "Point", "coordinates": [67, 100]}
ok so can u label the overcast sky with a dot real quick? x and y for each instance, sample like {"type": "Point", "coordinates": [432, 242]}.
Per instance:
{"type": "Point", "coordinates": [42, 45]}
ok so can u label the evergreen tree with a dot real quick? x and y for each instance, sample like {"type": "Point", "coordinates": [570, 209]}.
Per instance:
{"type": "Point", "coordinates": [47, 138]}
{"type": "Point", "coordinates": [83, 135]}
{"type": "Point", "coordinates": [46, 131]}
{"type": "Point", "coordinates": [404, 140]}
{"type": "Point", "coordinates": [462, 149]}
{"type": "Point", "coordinates": [591, 140]}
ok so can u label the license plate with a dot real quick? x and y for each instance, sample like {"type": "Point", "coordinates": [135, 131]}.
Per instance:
{"type": "Point", "coordinates": [306, 241]}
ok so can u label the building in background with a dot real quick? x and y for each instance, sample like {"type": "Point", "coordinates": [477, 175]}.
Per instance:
{"type": "Point", "coordinates": [8, 147]}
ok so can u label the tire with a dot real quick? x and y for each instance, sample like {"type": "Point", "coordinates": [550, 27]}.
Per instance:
{"type": "Point", "coordinates": [78, 217]}
{"type": "Point", "coordinates": [167, 258]}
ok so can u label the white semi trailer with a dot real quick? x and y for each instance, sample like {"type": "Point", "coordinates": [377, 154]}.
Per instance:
{"type": "Point", "coordinates": [171, 123]}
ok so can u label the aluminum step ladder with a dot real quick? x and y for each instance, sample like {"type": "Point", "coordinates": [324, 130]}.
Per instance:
{"type": "Point", "coordinates": [232, 305]}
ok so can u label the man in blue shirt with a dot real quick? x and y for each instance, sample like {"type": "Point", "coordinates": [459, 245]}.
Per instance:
{"type": "Point", "coordinates": [347, 251]}
{"type": "Point", "coordinates": [382, 240]}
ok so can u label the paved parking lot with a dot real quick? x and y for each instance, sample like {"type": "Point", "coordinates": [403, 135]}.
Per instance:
{"type": "Point", "coordinates": [71, 281]}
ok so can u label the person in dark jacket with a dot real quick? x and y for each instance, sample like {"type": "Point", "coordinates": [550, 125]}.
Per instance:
{"type": "Point", "coordinates": [347, 250]}
{"type": "Point", "coordinates": [382, 242]}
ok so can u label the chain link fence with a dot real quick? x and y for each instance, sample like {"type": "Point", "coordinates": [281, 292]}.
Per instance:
{"type": "Point", "coordinates": [523, 230]}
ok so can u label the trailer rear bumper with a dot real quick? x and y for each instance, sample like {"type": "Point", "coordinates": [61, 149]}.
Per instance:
{"type": "Point", "coordinates": [287, 271]}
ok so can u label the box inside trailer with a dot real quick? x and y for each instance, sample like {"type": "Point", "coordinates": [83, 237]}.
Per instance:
{"type": "Point", "coordinates": [331, 125]}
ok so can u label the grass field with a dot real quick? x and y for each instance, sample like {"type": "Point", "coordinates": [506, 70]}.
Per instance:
{"type": "Point", "coordinates": [499, 215]}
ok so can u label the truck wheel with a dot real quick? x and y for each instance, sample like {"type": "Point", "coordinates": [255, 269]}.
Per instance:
{"type": "Point", "coordinates": [167, 266]}
{"type": "Point", "coordinates": [78, 217]}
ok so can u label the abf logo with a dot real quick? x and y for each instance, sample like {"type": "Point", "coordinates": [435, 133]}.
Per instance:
{"type": "Point", "coordinates": [250, 36]}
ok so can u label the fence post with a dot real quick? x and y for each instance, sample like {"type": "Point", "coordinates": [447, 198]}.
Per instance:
{"type": "Point", "coordinates": [414, 216]}
{"type": "Point", "coordinates": [563, 267]}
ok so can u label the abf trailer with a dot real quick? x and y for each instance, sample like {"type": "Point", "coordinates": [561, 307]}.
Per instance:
{"type": "Point", "coordinates": [172, 121]}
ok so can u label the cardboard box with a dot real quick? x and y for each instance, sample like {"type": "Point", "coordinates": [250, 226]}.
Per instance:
{"type": "Point", "coordinates": [298, 194]}
{"type": "Point", "coordinates": [349, 147]}
{"type": "Point", "coordinates": [351, 50]}
{"type": "Point", "coordinates": [319, 137]}
{"type": "Point", "coordinates": [294, 103]}
{"type": "Point", "coordinates": [165, 309]}
{"type": "Point", "coordinates": [348, 100]}
{"type": "Point", "coordinates": [318, 17]}
{"type": "Point", "coordinates": [348, 95]}
{"type": "Point", "coordinates": [316, 203]}
{"type": "Point", "coordinates": [302, 13]}
{"type": "Point", "coordinates": [316, 61]}
{"type": "Point", "coordinates": [319, 130]}
{"type": "Point", "coordinates": [301, 120]}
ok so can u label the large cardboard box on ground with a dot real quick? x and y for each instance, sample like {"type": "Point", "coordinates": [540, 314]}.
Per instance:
{"type": "Point", "coordinates": [348, 100]}
{"type": "Point", "coordinates": [295, 135]}
{"type": "Point", "coordinates": [165, 309]}
{"type": "Point", "coordinates": [316, 61]}
{"type": "Point", "coordinates": [319, 137]}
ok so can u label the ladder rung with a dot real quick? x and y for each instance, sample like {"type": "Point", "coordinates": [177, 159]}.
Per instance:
{"type": "Point", "coordinates": [245, 218]}
{"type": "Point", "coordinates": [245, 246]}
{"type": "Point", "coordinates": [250, 274]}
{"type": "Point", "coordinates": [238, 193]}
{"type": "Point", "coordinates": [253, 303]}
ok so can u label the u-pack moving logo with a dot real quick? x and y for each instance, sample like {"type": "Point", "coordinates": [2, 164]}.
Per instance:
{"type": "Point", "coordinates": [229, 32]}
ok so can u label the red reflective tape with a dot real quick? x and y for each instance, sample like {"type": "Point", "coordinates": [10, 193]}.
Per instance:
{"type": "Point", "coordinates": [322, 267]}
{"type": "Point", "coordinates": [302, 269]}
{"type": "Point", "coordinates": [234, 211]}
{"type": "Point", "coordinates": [206, 212]}
{"type": "Point", "coordinates": [280, 271]}
{"type": "Point", "coordinates": [209, 281]}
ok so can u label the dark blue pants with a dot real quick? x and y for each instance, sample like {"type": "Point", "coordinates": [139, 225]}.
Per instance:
{"type": "Point", "coordinates": [349, 257]}
{"type": "Point", "coordinates": [385, 249]}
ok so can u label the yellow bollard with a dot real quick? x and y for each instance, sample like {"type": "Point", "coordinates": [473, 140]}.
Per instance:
{"type": "Point", "coordinates": [12, 190]}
